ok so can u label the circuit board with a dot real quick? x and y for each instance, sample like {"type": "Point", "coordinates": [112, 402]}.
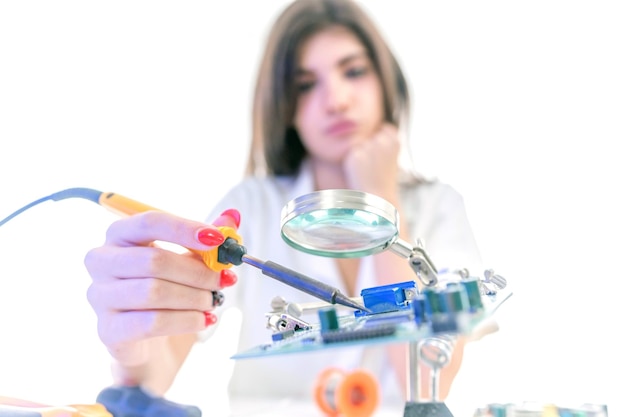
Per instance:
{"type": "Point", "coordinates": [399, 314]}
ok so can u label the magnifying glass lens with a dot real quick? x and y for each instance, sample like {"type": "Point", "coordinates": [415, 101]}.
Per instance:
{"type": "Point", "coordinates": [339, 232]}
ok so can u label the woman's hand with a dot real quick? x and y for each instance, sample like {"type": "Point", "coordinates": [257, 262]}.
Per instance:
{"type": "Point", "coordinates": [141, 291]}
{"type": "Point", "coordinates": [372, 165]}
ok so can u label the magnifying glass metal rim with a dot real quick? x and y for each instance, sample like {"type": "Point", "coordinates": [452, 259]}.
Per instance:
{"type": "Point", "coordinates": [339, 199]}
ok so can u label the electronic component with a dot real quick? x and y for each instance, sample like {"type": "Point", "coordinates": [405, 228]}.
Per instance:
{"type": "Point", "coordinates": [392, 297]}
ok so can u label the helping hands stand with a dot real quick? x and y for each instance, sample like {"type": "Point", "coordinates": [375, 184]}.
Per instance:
{"type": "Point", "coordinates": [414, 407]}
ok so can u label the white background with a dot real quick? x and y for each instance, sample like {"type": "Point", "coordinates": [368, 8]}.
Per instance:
{"type": "Point", "coordinates": [519, 105]}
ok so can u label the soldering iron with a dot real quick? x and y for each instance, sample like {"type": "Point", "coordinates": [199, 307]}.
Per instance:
{"type": "Point", "coordinates": [231, 252]}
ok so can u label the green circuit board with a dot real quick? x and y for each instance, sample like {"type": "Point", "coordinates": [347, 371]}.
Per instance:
{"type": "Point", "coordinates": [383, 328]}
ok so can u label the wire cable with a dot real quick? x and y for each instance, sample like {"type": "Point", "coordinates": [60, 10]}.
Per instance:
{"type": "Point", "coordinates": [84, 193]}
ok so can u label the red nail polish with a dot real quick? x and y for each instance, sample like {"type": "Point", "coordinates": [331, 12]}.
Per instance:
{"type": "Point", "coordinates": [210, 237]}
{"type": "Point", "coordinates": [233, 214]}
{"type": "Point", "coordinates": [209, 318]}
{"type": "Point", "coordinates": [227, 278]}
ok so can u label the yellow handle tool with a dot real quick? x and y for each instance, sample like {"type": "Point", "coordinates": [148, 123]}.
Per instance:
{"type": "Point", "coordinates": [229, 253]}
{"type": "Point", "coordinates": [126, 206]}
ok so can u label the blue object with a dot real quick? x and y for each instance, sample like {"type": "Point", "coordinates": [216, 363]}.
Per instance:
{"type": "Point", "coordinates": [387, 298]}
{"type": "Point", "coordinates": [135, 402]}
{"type": "Point", "coordinates": [420, 309]}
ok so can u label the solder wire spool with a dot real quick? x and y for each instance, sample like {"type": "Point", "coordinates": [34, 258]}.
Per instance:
{"type": "Point", "coordinates": [348, 394]}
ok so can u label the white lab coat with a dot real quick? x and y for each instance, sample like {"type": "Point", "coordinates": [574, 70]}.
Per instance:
{"type": "Point", "coordinates": [435, 213]}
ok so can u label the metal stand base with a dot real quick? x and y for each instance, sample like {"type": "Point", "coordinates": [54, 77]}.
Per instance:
{"type": "Point", "coordinates": [412, 409]}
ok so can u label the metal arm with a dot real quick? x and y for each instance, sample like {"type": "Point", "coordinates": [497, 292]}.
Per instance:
{"type": "Point", "coordinates": [418, 260]}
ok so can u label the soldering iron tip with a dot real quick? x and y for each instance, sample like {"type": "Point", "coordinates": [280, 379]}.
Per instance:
{"type": "Point", "coordinates": [348, 302]}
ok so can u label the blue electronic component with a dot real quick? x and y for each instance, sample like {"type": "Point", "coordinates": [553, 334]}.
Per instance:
{"type": "Point", "coordinates": [282, 335]}
{"type": "Point", "coordinates": [392, 297]}
{"type": "Point", "coordinates": [421, 310]}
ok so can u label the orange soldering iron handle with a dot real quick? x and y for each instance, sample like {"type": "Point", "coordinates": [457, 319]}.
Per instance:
{"type": "Point", "coordinates": [123, 205]}
{"type": "Point", "coordinates": [126, 206]}
{"type": "Point", "coordinates": [347, 394]}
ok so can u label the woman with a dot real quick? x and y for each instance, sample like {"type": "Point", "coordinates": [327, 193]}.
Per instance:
{"type": "Point", "coordinates": [330, 104]}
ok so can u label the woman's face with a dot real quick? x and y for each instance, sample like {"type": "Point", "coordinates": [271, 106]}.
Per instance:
{"type": "Point", "coordinates": [340, 97]}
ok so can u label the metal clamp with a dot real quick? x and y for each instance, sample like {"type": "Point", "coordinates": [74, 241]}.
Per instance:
{"type": "Point", "coordinates": [419, 260]}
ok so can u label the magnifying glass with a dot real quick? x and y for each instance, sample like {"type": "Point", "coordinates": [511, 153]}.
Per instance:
{"type": "Point", "coordinates": [350, 224]}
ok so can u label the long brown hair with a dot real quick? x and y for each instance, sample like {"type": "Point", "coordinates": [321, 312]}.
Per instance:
{"type": "Point", "coordinates": [276, 146]}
